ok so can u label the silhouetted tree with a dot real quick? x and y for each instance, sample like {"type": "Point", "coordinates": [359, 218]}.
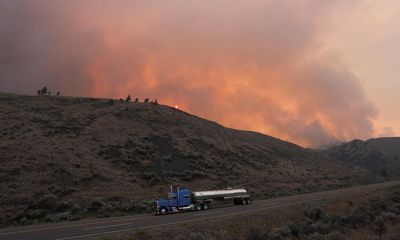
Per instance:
{"type": "Point", "coordinates": [58, 93]}
{"type": "Point", "coordinates": [128, 99]}
{"type": "Point", "coordinates": [146, 100]}
{"type": "Point", "coordinates": [44, 90]}
{"type": "Point", "coordinates": [137, 100]}
{"type": "Point", "coordinates": [155, 101]}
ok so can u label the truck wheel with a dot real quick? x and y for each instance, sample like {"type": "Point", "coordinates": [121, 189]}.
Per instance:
{"type": "Point", "coordinates": [205, 206]}
{"type": "Point", "coordinates": [198, 207]}
{"type": "Point", "coordinates": [163, 211]}
{"type": "Point", "coordinates": [244, 202]}
{"type": "Point", "coordinates": [248, 201]}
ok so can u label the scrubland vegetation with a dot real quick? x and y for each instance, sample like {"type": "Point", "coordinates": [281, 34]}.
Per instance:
{"type": "Point", "coordinates": [373, 215]}
{"type": "Point", "coordinates": [65, 158]}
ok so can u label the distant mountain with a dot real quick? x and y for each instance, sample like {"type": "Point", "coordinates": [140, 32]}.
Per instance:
{"type": "Point", "coordinates": [381, 156]}
{"type": "Point", "coordinates": [64, 154]}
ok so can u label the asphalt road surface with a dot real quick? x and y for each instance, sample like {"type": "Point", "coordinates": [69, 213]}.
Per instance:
{"type": "Point", "coordinates": [110, 226]}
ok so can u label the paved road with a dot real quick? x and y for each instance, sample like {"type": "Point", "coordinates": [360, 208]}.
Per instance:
{"type": "Point", "coordinates": [100, 227]}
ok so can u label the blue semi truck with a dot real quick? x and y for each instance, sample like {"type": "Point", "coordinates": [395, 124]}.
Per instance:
{"type": "Point", "coordinates": [183, 199]}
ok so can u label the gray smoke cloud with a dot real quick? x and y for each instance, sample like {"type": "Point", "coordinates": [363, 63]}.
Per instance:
{"type": "Point", "coordinates": [256, 66]}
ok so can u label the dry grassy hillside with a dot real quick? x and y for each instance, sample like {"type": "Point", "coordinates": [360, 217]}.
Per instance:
{"type": "Point", "coordinates": [63, 158]}
{"type": "Point", "coordinates": [381, 156]}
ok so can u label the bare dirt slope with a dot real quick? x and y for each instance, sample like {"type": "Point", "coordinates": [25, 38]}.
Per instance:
{"type": "Point", "coordinates": [63, 157]}
{"type": "Point", "coordinates": [381, 156]}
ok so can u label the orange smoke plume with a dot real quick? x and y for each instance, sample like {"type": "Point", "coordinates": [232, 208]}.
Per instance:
{"type": "Point", "coordinates": [252, 66]}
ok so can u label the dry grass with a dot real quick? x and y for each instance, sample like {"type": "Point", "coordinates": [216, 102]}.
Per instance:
{"type": "Point", "coordinates": [361, 234]}
{"type": "Point", "coordinates": [381, 156]}
{"type": "Point", "coordinates": [274, 224]}
{"type": "Point", "coordinates": [348, 204]}
{"type": "Point", "coordinates": [86, 151]}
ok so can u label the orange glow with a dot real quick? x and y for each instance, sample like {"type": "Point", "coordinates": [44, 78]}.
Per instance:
{"type": "Point", "coordinates": [286, 98]}
{"type": "Point", "coordinates": [262, 66]}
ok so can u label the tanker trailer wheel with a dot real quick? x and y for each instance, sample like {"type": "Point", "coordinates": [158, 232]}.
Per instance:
{"type": "Point", "coordinates": [205, 206]}
{"type": "Point", "coordinates": [248, 200]}
{"type": "Point", "coordinates": [198, 207]}
{"type": "Point", "coordinates": [244, 202]}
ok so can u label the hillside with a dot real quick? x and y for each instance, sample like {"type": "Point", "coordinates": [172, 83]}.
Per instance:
{"type": "Point", "coordinates": [64, 158]}
{"type": "Point", "coordinates": [381, 156]}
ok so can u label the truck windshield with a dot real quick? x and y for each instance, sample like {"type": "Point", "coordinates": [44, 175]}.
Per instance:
{"type": "Point", "coordinates": [172, 195]}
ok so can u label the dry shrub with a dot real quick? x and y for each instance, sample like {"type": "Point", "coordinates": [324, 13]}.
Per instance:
{"type": "Point", "coordinates": [360, 234]}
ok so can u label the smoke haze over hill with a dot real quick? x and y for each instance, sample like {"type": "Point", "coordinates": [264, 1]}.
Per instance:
{"type": "Point", "coordinates": [258, 66]}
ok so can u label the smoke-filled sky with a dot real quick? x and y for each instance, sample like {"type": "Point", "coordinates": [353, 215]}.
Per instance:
{"type": "Point", "coordinates": [313, 72]}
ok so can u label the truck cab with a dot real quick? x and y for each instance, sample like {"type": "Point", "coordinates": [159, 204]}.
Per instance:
{"type": "Point", "coordinates": [177, 201]}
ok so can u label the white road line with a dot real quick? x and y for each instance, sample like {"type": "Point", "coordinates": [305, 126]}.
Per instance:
{"type": "Point", "coordinates": [206, 213]}
{"type": "Point", "coordinates": [312, 199]}
{"type": "Point", "coordinates": [108, 226]}
{"type": "Point", "coordinates": [270, 205]}
{"type": "Point", "coordinates": [72, 225]}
